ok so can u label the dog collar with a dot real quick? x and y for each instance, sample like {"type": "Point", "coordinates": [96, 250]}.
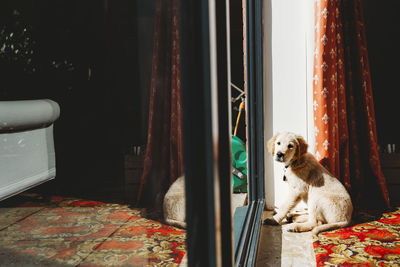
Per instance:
{"type": "Point", "coordinates": [294, 163]}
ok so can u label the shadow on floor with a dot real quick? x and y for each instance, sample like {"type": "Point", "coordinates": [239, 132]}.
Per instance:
{"type": "Point", "coordinates": [10, 258]}
{"type": "Point", "coordinates": [270, 246]}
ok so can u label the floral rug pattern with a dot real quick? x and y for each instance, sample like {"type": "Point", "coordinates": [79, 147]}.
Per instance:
{"type": "Point", "coordinates": [375, 243]}
{"type": "Point", "coordinates": [69, 232]}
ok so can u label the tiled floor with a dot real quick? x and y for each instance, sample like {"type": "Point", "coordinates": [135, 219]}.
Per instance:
{"type": "Point", "coordinates": [60, 231]}
{"type": "Point", "coordinates": [63, 231]}
{"type": "Point", "coordinates": [279, 247]}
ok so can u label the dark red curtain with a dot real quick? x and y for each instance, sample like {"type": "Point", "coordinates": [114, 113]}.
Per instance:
{"type": "Point", "coordinates": [344, 116]}
{"type": "Point", "coordinates": [163, 161]}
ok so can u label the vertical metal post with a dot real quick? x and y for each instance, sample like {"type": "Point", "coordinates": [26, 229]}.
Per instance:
{"type": "Point", "coordinates": [225, 129]}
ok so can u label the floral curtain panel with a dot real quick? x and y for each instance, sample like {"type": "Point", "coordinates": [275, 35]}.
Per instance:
{"type": "Point", "coordinates": [344, 116]}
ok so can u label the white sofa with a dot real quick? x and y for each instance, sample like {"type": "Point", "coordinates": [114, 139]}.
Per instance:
{"type": "Point", "coordinates": [27, 156]}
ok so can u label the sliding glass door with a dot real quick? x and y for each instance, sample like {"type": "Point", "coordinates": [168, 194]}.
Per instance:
{"type": "Point", "coordinates": [207, 133]}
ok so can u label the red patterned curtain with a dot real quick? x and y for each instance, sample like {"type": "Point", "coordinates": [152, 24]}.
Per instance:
{"type": "Point", "coordinates": [163, 161]}
{"type": "Point", "coordinates": [344, 116]}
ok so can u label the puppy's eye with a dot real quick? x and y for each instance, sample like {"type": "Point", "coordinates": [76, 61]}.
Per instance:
{"type": "Point", "coordinates": [290, 146]}
{"type": "Point", "coordinates": [279, 143]}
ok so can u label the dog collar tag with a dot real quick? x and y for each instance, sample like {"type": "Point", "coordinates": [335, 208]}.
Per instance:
{"type": "Point", "coordinates": [284, 171]}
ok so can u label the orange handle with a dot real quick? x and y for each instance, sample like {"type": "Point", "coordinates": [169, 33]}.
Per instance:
{"type": "Point", "coordinates": [241, 107]}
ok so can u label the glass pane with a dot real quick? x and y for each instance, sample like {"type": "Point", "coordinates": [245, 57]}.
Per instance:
{"type": "Point", "coordinates": [240, 174]}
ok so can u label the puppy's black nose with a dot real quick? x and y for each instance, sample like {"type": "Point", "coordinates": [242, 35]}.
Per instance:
{"type": "Point", "coordinates": [280, 155]}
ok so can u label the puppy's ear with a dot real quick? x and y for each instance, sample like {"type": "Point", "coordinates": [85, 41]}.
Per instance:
{"type": "Point", "coordinates": [302, 147]}
{"type": "Point", "coordinates": [271, 144]}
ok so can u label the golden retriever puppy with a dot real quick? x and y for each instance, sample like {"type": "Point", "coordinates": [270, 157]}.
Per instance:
{"type": "Point", "coordinates": [329, 204]}
{"type": "Point", "coordinates": [174, 204]}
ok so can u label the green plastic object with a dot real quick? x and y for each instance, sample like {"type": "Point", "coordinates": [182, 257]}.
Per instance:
{"type": "Point", "coordinates": [239, 163]}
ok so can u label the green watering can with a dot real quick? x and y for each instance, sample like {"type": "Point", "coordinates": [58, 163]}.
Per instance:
{"type": "Point", "coordinates": [239, 165]}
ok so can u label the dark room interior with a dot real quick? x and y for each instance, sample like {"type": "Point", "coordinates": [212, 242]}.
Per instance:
{"type": "Point", "coordinates": [122, 71]}
{"type": "Point", "coordinates": [86, 56]}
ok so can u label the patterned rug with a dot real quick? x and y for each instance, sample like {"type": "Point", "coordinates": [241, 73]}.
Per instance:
{"type": "Point", "coordinates": [60, 231]}
{"type": "Point", "coordinates": [374, 243]}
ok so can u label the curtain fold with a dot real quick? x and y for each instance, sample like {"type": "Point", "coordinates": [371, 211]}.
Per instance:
{"type": "Point", "coordinates": [163, 161]}
{"type": "Point", "coordinates": [344, 117]}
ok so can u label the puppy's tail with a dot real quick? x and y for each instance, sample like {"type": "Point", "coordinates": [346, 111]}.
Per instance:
{"type": "Point", "coordinates": [328, 226]}
{"type": "Point", "coordinates": [177, 223]}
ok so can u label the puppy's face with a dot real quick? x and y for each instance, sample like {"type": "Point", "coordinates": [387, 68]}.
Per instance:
{"type": "Point", "coordinates": [287, 147]}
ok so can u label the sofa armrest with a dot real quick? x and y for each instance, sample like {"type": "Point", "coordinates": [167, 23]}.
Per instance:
{"type": "Point", "coordinates": [27, 114]}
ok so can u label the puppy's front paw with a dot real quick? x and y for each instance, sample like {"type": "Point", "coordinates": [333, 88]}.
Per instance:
{"type": "Point", "coordinates": [293, 228]}
{"type": "Point", "coordinates": [270, 221]}
{"type": "Point", "coordinates": [289, 218]}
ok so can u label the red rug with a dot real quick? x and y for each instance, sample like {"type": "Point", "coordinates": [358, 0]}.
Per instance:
{"type": "Point", "coordinates": [66, 231]}
{"type": "Point", "coordinates": [375, 243]}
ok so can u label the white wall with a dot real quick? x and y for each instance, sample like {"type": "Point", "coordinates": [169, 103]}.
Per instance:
{"type": "Point", "coordinates": [287, 80]}
{"type": "Point", "coordinates": [309, 30]}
